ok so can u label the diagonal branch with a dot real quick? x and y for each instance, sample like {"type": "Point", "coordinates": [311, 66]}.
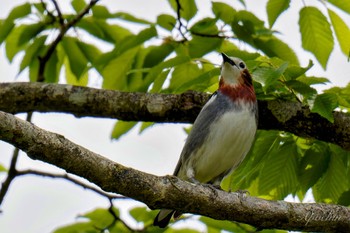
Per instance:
{"type": "Point", "coordinates": [183, 108]}
{"type": "Point", "coordinates": [169, 192]}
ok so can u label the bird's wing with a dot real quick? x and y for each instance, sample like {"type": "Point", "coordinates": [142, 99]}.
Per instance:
{"type": "Point", "coordinates": [211, 111]}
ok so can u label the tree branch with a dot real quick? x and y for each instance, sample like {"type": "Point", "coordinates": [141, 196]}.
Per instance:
{"type": "Point", "coordinates": [182, 108]}
{"type": "Point", "coordinates": [169, 192]}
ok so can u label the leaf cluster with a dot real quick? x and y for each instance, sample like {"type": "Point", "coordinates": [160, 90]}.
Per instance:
{"type": "Point", "coordinates": [172, 55]}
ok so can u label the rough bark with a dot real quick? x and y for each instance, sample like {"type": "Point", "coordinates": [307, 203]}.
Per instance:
{"type": "Point", "coordinates": [170, 192]}
{"type": "Point", "coordinates": [182, 108]}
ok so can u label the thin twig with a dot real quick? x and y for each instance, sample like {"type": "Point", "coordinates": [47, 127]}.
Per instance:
{"type": "Point", "coordinates": [179, 19]}
{"type": "Point", "coordinates": [73, 180]}
{"type": "Point", "coordinates": [12, 173]}
{"type": "Point", "coordinates": [59, 13]}
{"type": "Point", "coordinates": [64, 28]}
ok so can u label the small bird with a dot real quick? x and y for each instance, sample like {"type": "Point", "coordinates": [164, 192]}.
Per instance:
{"type": "Point", "coordinates": [222, 134]}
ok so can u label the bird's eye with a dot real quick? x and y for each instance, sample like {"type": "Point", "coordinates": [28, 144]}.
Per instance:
{"type": "Point", "coordinates": [241, 64]}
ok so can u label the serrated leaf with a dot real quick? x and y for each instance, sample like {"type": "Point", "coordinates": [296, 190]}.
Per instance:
{"type": "Point", "coordinates": [294, 71]}
{"type": "Point", "coordinates": [341, 4]}
{"type": "Point", "coordinates": [316, 34]}
{"type": "Point", "coordinates": [266, 142]}
{"type": "Point", "coordinates": [268, 76]}
{"type": "Point", "coordinates": [32, 52]}
{"type": "Point", "coordinates": [278, 177]}
{"type": "Point", "coordinates": [166, 21]}
{"type": "Point", "coordinates": [115, 72]}
{"type": "Point", "coordinates": [334, 182]}
{"type": "Point", "coordinates": [313, 165]}
{"type": "Point", "coordinates": [121, 128]}
{"type": "Point", "coordinates": [76, 57]}
{"type": "Point", "coordinates": [7, 25]}
{"type": "Point", "coordinates": [301, 88]}
{"type": "Point", "coordinates": [342, 31]}
{"type": "Point", "coordinates": [223, 11]}
{"type": "Point", "coordinates": [142, 214]}
{"type": "Point", "coordinates": [275, 8]}
{"type": "Point", "coordinates": [324, 105]}
{"type": "Point", "coordinates": [312, 80]}
{"type": "Point", "coordinates": [188, 8]}
{"type": "Point", "coordinates": [274, 47]}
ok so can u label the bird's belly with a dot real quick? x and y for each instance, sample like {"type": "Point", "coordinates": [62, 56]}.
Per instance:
{"type": "Point", "coordinates": [228, 142]}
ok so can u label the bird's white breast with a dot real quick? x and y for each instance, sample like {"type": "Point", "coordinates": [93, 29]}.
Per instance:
{"type": "Point", "coordinates": [228, 141]}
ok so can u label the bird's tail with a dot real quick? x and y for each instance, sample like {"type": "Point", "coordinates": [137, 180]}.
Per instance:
{"type": "Point", "coordinates": [163, 218]}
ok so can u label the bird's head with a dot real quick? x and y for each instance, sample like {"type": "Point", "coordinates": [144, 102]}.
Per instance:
{"type": "Point", "coordinates": [235, 79]}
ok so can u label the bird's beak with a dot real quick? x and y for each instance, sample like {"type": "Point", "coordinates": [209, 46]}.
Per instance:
{"type": "Point", "coordinates": [227, 59]}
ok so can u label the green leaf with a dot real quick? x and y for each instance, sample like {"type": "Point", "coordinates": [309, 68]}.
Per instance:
{"type": "Point", "coordinates": [344, 199]}
{"type": "Point", "coordinates": [158, 69]}
{"type": "Point", "coordinates": [227, 226]}
{"type": "Point", "coordinates": [183, 73]}
{"type": "Point", "coordinates": [335, 181]}
{"type": "Point", "coordinates": [33, 70]}
{"type": "Point", "coordinates": [278, 177]}
{"type": "Point", "coordinates": [312, 80]}
{"type": "Point", "coordinates": [12, 45]}
{"type": "Point", "coordinates": [313, 165]}
{"type": "Point", "coordinates": [76, 57]}
{"type": "Point", "coordinates": [201, 82]}
{"type": "Point", "coordinates": [301, 88]}
{"type": "Point", "coordinates": [132, 41]}
{"type": "Point", "coordinates": [166, 21]}
{"type": "Point", "coordinates": [275, 8]}
{"type": "Point", "coordinates": [128, 17]}
{"type": "Point", "coordinates": [206, 26]}
{"type": "Point", "coordinates": [90, 51]}
{"type": "Point", "coordinates": [188, 8]}
{"type": "Point", "coordinates": [78, 5]}
{"type": "Point", "coordinates": [294, 71]}
{"type": "Point", "coordinates": [32, 52]}
{"type": "Point", "coordinates": [223, 11]}
{"type": "Point", "coordinates": [29, 32]}
{"type": "Point", "coordinates": [342, 31]}
{"type": "Point", "coordinates": [274, 47]}
{"type": "Point", "coordinates": [2, 168]}
{"type": "Point", "coordinates": [102, 30]}
{"type": "Point", "coordinates": [121, 128]}
{"type": "Point", "coordinates": [16, 13]}
{"type": "Point", "coordinates": [324, 105]}
{"type": "Point", "coordinates": [72, 79]}
{"type": "Point", "coordinates": [316, 34]}
{"type": "Point", "coordinates": [268, 76]}
{"type": "Point", "coordinates": [52, 68]}
{"type": "Point", "coordinates": [341, 4]}
{"type": "Point", "coordinates": [159, 81]}
{"type": "Point", "coordinates": [115, 72]}
{"type": "Point", "coordinates": [199, 46]}
{"type": "Point", "coordinates": [266, 142]}
{"type": "Point", "coordinates": [142, 214]}
{"type": "Point", "coordinates": [77, 228]}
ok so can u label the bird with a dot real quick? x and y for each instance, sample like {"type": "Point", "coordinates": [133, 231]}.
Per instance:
{"type": "Point", "coordinates": [222, 133]}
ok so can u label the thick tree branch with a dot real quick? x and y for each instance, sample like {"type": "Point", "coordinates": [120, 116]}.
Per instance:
{"type": "Point", "coordinates": [169, 192]}
{"type": "Point", "coordinates": [183, 108]}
